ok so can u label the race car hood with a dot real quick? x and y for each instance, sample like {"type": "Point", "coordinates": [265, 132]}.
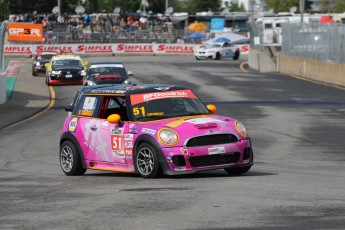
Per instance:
{"type": "Point", "coordinates": [207, 49]}
{"type": "Point", "coordinates": [187, 127]}
{"type": "Point", "coordinates": [69, 68]}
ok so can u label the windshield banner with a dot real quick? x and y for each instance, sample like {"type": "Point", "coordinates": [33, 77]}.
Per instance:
{"type": "Point", "coordinates": [140, 98]}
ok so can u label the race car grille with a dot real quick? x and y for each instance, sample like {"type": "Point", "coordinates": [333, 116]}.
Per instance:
{"type": "Point", "coordinates": [217, 159]}
{"type": "Point", "coordinates": [215, 139]}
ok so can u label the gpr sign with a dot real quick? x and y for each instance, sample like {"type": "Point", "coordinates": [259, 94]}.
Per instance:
{"type": "Point", "coordinates": [25, 32]}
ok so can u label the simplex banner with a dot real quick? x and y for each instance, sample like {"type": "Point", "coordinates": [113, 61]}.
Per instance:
{"type": "Point", "coordinates": [118, 48]}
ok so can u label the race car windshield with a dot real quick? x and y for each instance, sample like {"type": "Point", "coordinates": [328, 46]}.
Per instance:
{"type": "Point", "coordinates": [108, 70]}
{"type": "Point", "coordinates": [71, 62]}
{"type": "Point", "coordinates": [46, 57]}
{"type": "Point", "coordinates": [162, 105]}
{"type": "Point", "coordinates": [213, 46]}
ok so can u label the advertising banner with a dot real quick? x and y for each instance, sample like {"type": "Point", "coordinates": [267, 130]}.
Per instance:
{"type": "Point", "coordinates": [110, 49]}
{"type": "Point", "coordinates": [25, 32]}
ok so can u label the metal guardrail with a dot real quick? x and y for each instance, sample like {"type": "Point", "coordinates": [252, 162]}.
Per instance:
{"type": "Point", "coordinates": [3, 29]}
{"type": "Point", "coordinates": [320, 42]}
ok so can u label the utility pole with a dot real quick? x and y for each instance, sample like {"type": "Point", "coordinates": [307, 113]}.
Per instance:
{"type": "Point", "coordinates": [301, 7]}
{"type": "Point", "coordinates": [59, 9]}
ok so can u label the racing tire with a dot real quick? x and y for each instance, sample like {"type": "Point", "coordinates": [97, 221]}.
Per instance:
{"type": "Point", "coordinates": [70, 160]}
{"type": "Point", "coordinates": [34, 74]}
{"type": "Point", "coordinates": [217, 56]}
{"type": "Point", "coordinates": [146, 161]}
{"type": "Point", "coordinates": [237, 171]}
{"type": "Point", "coordinates": [197, 58]}
{"type": "Point", "coordinates": [236, 56]}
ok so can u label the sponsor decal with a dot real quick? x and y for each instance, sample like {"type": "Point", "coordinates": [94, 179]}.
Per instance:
{"type": "Point", "coordinates": [149, 131]}
{"type": "Point", "coordinates": [139, 98]}
{"type": "Point", "coordinates": [116, 142]}
{"type": "Point", "coordinates": [197, 121]}
{"type": "Point", "coordinates": [73, 124]}
{"type": "Point", "coordinates": [184, 151]}
{"type": "Point", "coordinates": [16, 49]}
{"type": "Point", "coordinates": [97, 91]}
{"type": "Point", "coordinates": [117, 131]}
{"type": "Point", "coordinates": [118, 153]}
{"type": "Point", "coordinates": [128, 137]}
{"type": "Point", "coordinates": [216, 150]}
{"type": "Point", "coordinates": [135, 48]}
{"type": "Point", "coordinates": [95, 48]}
{"type": "Point", "coordinates": [128, 144]}
{"type": "Point", "coordinates": [183, 49]}
{"type": "Point", "coordinates": [105, 125]}
{"type": "Point", "coordinates": [128, 152]}
{"type": "Point", "coordinates": [64, 49]}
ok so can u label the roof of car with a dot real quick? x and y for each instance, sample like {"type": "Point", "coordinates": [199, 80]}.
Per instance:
{"type": "Point", "coordinates": [47, 52]}
{"type": "Point", "coordinates": [104, 62]}
{"type": "Point", "coordinates": [67, 56]}
{"type": "Point", "coordinates": [129, 89]}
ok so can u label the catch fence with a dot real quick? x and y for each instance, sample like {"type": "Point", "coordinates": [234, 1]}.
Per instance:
{"type": "Point", "coordinates": [314, 41]}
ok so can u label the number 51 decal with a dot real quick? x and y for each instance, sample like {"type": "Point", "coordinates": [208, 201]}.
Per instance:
{"type": "Point", "coordinates": [116, 142]}
{"type": "Point", "coordinates": [137, 111]}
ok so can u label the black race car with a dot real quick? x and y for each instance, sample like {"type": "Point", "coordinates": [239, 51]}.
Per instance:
{"type": "Point", "coordinates": [41, 58]}
{"type": "Point", "coordinates": [107, 73]}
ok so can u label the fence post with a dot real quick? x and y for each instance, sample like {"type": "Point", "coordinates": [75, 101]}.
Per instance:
{"type": "Point", "coordinates": [2, 65]}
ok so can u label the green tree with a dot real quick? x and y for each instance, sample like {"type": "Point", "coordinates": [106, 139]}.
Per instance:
{"type": "Point", "coordinates": [193, 6]}
{"type": "Point", "coordinates": [333, 6]}
{"type": "Point", "coordinates": [4, 10]}
{"type": "Point", "coordinates": [281, 6]}
{"type": "Point", "coordinates": [41, 6]}
{"type": "Point", "coordinates": [236, 8]}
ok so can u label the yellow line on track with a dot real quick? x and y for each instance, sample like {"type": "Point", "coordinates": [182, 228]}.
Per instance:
{"type": "Point", "coordinates": [44, 110]}
{"type": "Point", "coordinates": [242, 67]}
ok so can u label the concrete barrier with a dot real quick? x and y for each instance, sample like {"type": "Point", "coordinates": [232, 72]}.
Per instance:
{"type": "Point", "coordinates": [261, 61]}
{"type": "Point", "coordinates": [322, 71]}
{"type": "Point", "coordinates": [2, 88]}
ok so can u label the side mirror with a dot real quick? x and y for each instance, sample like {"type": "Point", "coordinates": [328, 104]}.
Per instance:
{"type": "Point", "coordinates": [130, 73]}
{"type": "Point", "coordinates": [212, 108]}
{"type": "Point", "coordinates": [69, 108]}
{"type": "Point", "coordinates": [115, 119]}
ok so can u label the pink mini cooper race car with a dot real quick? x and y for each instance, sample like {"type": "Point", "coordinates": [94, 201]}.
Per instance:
{"type": "Point", "coordinates": [150, 130]}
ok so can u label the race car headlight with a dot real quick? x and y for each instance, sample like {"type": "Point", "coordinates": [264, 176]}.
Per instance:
{"type": "Point", "coordinates": [168, 136]}
{"type": "Point", "coordinates": [38, 64]}
{"type": "Point", "coordinates": [127, 82]}
{"type": "Point", "coordinates": [82, 73]}
{"type": "Point", "coordinates": [240, 128]}
{"type": "Point", "coordinates": [90, 82]}
{"type": "Point", "coordinates": [54, 72]}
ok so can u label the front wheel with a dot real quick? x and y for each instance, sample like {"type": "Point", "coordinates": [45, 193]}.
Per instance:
{"type": "Point", "coordinates": [237, 171]}
{"type": "Point", "coordinates": [217, 57]}
{"type": "Point", "coordinates": [146, 161]}
{"type": "Point", "coordinates": [70, 160]}
{"type": "Point", "coordinates": [197, 58]}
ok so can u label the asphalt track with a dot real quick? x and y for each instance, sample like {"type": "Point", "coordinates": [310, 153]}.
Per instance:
{"type": "Point", "coordinates": [298, 180]}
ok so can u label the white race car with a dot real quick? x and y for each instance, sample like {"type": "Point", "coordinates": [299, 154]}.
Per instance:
{"type": "Point", "coordinates": [217, 51]}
